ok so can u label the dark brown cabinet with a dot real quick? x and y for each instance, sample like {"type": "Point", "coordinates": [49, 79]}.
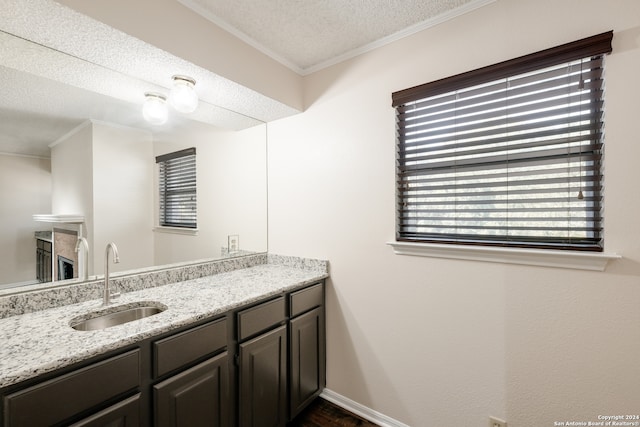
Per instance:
{"type": "Point", "coordinates": [262, 371]}
{"type": "Point", "coordinates": [179, 350]}
{"type": "Point", "coordinates": [263, 380]}
{"type": "Point", "coordinates": [255, 366]}
{"type": "Point", "coordinates": [307, 350]}
{"type": "Point", "coordinates": [65, 397]}
{"type": "Point", "coordinates": [281, 370]}
{"type": "Point", "coordinates": [196, 397]}
{"type": "Point", "coordinates": [307, 359]}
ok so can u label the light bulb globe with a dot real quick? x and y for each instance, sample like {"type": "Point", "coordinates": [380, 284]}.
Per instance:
{"type": "Point", "coordinates": [183, 96]}
{"type": "Point", "coordinates": [155, 109]}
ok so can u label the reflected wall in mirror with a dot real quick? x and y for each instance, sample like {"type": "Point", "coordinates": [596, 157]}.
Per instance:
{"type": "Point", "coordinates": [25, 189]}
{"type": "Point", "coordinates": [69, 150]}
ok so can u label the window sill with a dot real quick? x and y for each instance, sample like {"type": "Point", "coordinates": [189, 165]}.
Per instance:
{"type": "Point", "coordinates": [538, 257]}
{"type": "Point", "coordinates": [177, 230]}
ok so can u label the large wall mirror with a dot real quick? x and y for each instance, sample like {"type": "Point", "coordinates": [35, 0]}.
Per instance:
{"type": "Point", "coordinates": [84, 158]}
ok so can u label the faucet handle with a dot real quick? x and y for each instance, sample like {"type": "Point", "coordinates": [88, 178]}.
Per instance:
{"type": "Point", "coordinates": [115, 295]}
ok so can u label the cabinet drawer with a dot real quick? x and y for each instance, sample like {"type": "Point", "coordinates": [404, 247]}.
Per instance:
{"type": "Point", "coordinates": [260, 318]}
{"type": "Point", "coordinates": [306, 299]}
{"type": "Point", "coordinates": [123, 414]}
{"type": "Point", "coordinates": [181, 349]}
{"type": "Point", "coordinates": [61, 398]}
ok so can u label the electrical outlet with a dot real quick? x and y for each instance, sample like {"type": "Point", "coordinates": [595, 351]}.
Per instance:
{"type": "Point", "coordinates": [497, 422]}
{"type": "Point", "coordinates": [233, 243]}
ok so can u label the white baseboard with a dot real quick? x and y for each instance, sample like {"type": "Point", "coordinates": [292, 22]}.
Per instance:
{"type": "Point", "coordinates": [360, 410]}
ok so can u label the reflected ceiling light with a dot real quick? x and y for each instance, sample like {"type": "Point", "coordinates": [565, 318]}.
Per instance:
{"type": "Point", "coordinates": [183, 96]}
{"type": "Point", "coordinates": [155, 109]}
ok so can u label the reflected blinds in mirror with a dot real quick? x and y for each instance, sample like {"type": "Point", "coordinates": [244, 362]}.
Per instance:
{"type": "Point", "coordinates": [177, 189]}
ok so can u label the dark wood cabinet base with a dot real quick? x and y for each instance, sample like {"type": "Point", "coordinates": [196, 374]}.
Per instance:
{"type": "Point", "coordinates": [257, 366]}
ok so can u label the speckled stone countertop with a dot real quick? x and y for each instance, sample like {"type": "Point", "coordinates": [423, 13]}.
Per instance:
{"type": "Point", "coordinates": [42, 341]}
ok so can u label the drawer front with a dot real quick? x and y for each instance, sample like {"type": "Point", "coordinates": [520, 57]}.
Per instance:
{"type": "Point", "coordinates": [260, 318]}
{"type": "Point", "coordinates": [61, 398]}
{"type": "Point", "coordinates": [306, 299]}
{"type": "Point", "coordinates": [181, 349]}
{"type": "Point", "coordinates": [123, 414]}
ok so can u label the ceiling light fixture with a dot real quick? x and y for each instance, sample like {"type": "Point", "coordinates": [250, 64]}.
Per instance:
{"type": "Point", "coordinates": [155, 109]}
{"type": "Point", "coordinates": [183, 96]}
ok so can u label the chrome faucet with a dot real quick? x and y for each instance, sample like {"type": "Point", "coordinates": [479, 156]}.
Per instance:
{"type": "Point", "coordinates": [83, 242]}
{"type": "Point", "coordinates": [116, 259]}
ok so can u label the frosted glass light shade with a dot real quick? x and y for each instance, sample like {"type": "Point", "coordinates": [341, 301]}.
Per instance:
{"type": "Point", "coordinates": [155, 109]}
{"type": "Point", "coordinates": [183, 96]}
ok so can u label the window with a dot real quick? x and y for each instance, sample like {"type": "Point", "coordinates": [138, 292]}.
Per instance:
{"type": "Point", "coordinates": [177, 189]}
{"type": "Point", "coordinates": [506, 155]}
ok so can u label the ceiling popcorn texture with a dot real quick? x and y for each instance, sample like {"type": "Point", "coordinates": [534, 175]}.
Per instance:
{"type": "Point", "coordinates": [60, 68]}
{"type": "Point", "coordinates": [84, 69]}
{"type": "Point", "coordinates": [307, 35]}
{"type": "Point", "coordinates": [67, 31]}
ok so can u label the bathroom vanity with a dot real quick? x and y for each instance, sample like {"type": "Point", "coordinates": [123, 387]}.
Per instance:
{"type": "Point", "coordinates": [244, 347]}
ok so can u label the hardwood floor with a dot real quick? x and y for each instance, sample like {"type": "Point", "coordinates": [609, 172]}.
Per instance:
{"type": "Point", "coordinates": [325, 414]}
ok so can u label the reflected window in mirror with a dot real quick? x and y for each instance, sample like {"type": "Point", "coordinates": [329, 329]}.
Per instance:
{"type": "Point", "coordinates": [177, 189]}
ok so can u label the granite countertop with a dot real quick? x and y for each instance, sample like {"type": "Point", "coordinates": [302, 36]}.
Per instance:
{"type": "Point", "coordinates": [42, 341]}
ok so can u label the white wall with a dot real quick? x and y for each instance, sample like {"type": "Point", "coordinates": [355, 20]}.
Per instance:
{"type": "Point", "coordinates": [232, 193]}
{"type": "Point", "coordinates": [72, 182]}
{"type": "Point", "coordinates": [123, 203]}
{"type": "Point", "coordinates": [105, 172]}
{"type": "Point", "coordinates": [71, 164]}
{"type": "Point", "coordinates": [25, 189]}
{"type": "Point", "coordinates": [433, 342]}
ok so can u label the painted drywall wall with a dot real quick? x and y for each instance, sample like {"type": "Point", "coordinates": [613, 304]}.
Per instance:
{"type": "Point", "coordinates": [71, 164]}
{"type": "Point", "coordinates": [105, 172]}
{"type": "Point", "coordinates": [232, 193]}
{"type": "Point", "coordinates": [25, 189]}
{"type": "Point", "coordinates": [72, 181]}
{"type": "Point", "coordinates": [123, 189]}
{"type": "Point", "coordinates": [72, 193]}
{"type": "Point", "coordinates": [434, 342]}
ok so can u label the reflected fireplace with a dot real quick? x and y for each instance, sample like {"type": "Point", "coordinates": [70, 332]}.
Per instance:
{"type": "Point", "coordinates": [66, 268]}
{"type": "Point", "coordinates": [65, 257]}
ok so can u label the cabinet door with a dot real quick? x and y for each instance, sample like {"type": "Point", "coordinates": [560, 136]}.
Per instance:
{"type": "Point", "coordinates": [307, 347]}
{"type": "Point", "coordinates": [122, 414]}
{"type": "Point", "coordinates": [196, 397]}
{"type": "Point", "coordinates": [263, 364]}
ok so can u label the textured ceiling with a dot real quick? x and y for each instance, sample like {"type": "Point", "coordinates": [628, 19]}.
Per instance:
{"type": "Point", "coordinates": [59, 68]}
{"type": "Point", "coordinates": [307, 35]}
{"type": "Point", "coordinates": [64, 30]}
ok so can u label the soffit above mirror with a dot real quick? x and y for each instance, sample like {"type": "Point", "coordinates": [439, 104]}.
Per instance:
{"type": "Point", "coordinates": [98, 72]}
